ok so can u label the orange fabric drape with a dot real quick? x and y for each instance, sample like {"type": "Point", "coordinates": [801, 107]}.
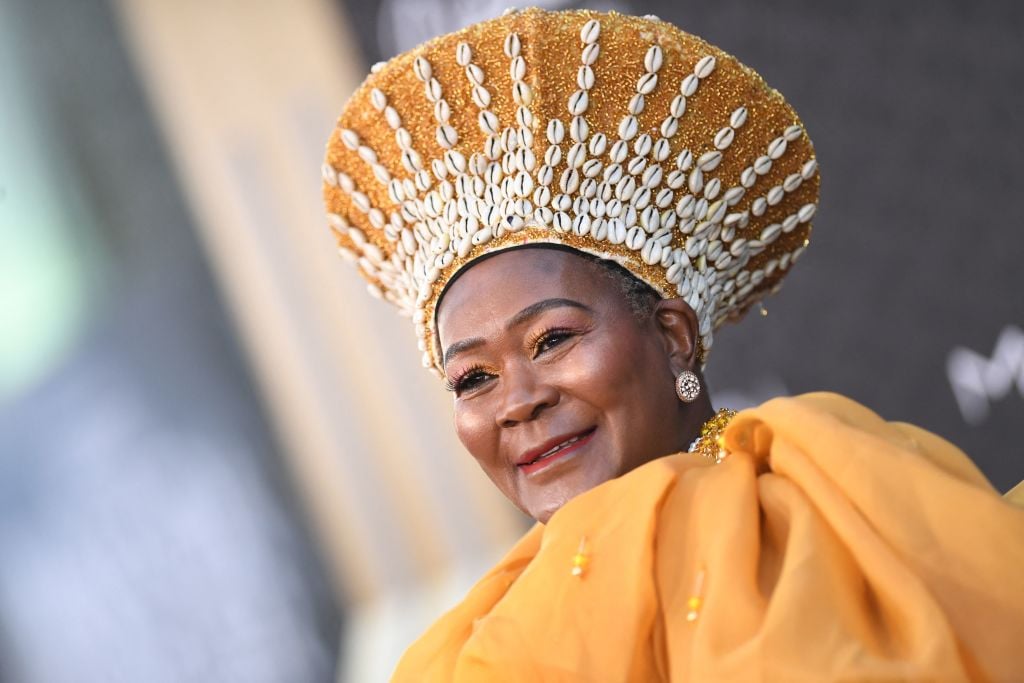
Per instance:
{"type": "Point", "coordinates": [829, 545]}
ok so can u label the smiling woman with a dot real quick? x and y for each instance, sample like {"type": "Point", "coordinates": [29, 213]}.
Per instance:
{"type": "Point", "coordinates": [568, 204]}
{"type": "Point", "coordinates": [559, 386]}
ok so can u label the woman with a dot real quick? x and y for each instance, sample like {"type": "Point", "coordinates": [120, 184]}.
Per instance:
{"type": "Point", "coordinates": [568, 204]}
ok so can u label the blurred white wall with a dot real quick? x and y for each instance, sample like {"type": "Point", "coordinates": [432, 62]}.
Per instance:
{"type": "Point", "coordinates": [145, 530]}
{"type": "Point", "coordinates": [246, 95]}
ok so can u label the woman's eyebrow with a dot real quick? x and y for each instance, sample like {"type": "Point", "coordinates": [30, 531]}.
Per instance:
{"type": "Point", "coordinates": [458, 347]}
{"type": "Point", "coordinates": [531, 311]}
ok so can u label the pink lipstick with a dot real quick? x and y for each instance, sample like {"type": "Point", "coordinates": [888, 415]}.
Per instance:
{"type": "Point", "coordinates": [553, 451]}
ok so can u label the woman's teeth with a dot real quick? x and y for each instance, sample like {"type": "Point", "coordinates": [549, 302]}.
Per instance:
{"type": "Point", "coordinates": [564, 444]}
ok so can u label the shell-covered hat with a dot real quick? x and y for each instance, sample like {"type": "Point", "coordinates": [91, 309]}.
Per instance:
{"type": "Point", "coordinates": [622, 137]}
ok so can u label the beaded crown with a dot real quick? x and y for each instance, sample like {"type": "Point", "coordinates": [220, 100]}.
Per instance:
{"type": "Point", "coordinates": [622, 137]}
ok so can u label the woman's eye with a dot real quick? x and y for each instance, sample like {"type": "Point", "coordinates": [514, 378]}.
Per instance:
{"type": "Point", "coordinates": [469, 381]}
{"type": "Point", "coordinates": [551, 340]}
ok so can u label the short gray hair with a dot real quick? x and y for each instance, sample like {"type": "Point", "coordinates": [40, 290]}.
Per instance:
{"type": "Point", "coordinates": [640, 296]}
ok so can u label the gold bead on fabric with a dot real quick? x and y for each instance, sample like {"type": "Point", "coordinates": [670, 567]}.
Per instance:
{"type": "Point", "coordinates": [696, 600]}
{"type": "Point", "coordinates": [580, 560]}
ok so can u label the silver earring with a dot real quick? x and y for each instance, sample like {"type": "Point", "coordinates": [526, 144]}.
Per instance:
{"type": "Point", "coordinates": [687, 386]}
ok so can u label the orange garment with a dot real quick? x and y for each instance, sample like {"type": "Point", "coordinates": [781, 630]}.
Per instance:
{"type": "Point", "coordinates": [834, 546]}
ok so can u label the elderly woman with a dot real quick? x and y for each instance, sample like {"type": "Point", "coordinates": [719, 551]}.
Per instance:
{"type": "Point", "coordinates": [568, 204]}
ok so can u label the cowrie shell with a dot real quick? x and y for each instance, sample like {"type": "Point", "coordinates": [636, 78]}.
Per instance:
{"type": "Point", "coordinates": [689, 85]}
{"type": "Point", "coordinates": [521, 93]}
{"type": "Point", "coordinates": [647, 83]}
{"type": "Point", "coordinates": [512, 45]}
{"type": "Point", "coordinates": [481, 97]}
{"type": "Point", "coordinates": [636, 104]}
{"type": "Point", "coordinates": [738, 117]}
{"type": "Point", "coordinates": [585, 77]}
{"type": "Point", "coordinates": [556, 131]}
{"type": "Point", "coordinates": [578, 102]}
{"type": "Point", "coordinates": [636, 238]}
{"type": "Point", "coordinates": [806, 212]}
{"type": "Point", "coordinates": [579, 130]}
{"type": "Point", "coordinates": [792, 181]}
{"type": "Point", "coordinates": [421, 67]}
{"type": "Point", "coordinates": [628, 128]}
{"type": "Point", "coordinates": [581, 224]}
{"type": "Point", "coordinates": [724, 138]}
{"type": "Point", "coordinates": [350, 138]}
{"type": "Point", "coordinates": [653, 59]}
{"type": "Point", "coordinates": [661, 150]}
{"type": "Point", "coordinates": [808, 169]}
{"type": "Point", "coordinates": [618, 151]}
{"type": "Point", "coordinates": [777, 148]}
{"type": "Point", "coordinates": [696, 180]}
{"type": "Point", "coordinates": [590, 32]}
{"type": "Point", "coordinates": [562, 222]}
{"type": "Point", "coordinates": [684, 160]}
{"type": "Point", "coordinates": [517, 69]}
{"type": "Point", "coordinates": [709, 161]}
{"type": "Point", "coordinates": [704, 67]}
{"type": "Point", "coordinates": [447, 137]}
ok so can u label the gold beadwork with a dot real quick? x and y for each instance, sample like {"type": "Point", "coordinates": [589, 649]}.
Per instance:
{"type": "Point", "coordinates": [622, 137]}
{"type": "Point", "coordinates": [696, 600]}
{"type": "Point", "coordinates": [693, 605]}
{"type": "Point", "coordinates": [580, 559]}
{"type": "Point", "coordinates": [710, 444]}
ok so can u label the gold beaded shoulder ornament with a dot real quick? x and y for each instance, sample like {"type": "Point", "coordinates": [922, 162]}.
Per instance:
{"type": "Point", "coordinates": [622, 137]}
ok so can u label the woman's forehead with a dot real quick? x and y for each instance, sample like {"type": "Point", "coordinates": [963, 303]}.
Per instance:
{"type": "Point", "coordinates": [503, 284]}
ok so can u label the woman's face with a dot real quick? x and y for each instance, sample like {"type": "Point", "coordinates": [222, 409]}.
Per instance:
{"type": "Point", "coordinates": [558, 386]}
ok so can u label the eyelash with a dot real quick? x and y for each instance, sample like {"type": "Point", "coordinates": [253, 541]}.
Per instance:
{"type": "Point", "coordinates": [458, 384]}
{"type": "Point", "coordinates": [548, 335]}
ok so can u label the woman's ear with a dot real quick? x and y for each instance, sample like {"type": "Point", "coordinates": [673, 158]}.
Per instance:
{"type": "Point", "coordinates": [676, 324]}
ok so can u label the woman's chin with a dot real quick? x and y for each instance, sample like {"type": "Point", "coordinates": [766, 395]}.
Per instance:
{"type": "Point", "coordinates": [542, 499]}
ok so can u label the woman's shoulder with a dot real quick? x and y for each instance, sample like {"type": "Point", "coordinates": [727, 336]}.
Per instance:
{"type": "Point", "coordinates": [836, 432]}
{"type": "Point", "coordinates": [841, 433]}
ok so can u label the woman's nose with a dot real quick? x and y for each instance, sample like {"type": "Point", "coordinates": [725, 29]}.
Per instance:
{"type": "Point", "coordinates": [525, 397]}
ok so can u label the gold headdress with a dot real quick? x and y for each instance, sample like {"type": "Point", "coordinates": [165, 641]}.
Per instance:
{"type": "Point", "coordinates": [620, 136]}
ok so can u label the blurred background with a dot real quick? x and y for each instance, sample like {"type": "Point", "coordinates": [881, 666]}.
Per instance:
{"type": "Point", "coordinates": [219, 459]}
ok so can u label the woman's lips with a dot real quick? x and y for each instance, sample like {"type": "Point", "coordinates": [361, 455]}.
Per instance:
{"type": "Point", "coordinates": [557, 453]}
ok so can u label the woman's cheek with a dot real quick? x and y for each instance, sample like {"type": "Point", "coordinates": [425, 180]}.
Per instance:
{"type": "Point", "coordinates": [599, 362]}
{"type": "Point", "coordinates": [478, 433]}
{"type": "Point", "coordinates": [468, 428]}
